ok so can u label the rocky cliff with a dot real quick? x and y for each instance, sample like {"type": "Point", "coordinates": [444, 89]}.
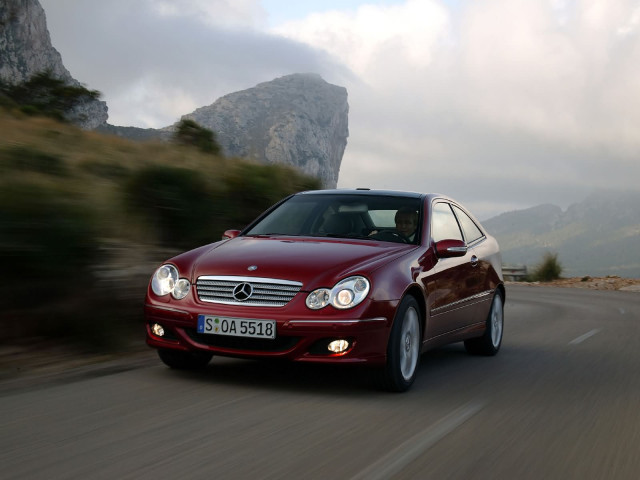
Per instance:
{"type": "Point", "coordinates": [25, 49]}
{"type": "Point", "coordinates": [299, 120]}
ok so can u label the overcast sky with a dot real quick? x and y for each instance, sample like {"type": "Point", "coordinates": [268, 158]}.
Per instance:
{"type": "Point", "coordinates": [502, 104]}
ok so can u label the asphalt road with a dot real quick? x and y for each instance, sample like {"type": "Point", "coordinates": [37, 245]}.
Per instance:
{"type": "Point", "coordinates": [560, 401]}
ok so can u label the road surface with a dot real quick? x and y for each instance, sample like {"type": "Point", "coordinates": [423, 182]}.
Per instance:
{"type": "Point", "coordinates": [560, 401]}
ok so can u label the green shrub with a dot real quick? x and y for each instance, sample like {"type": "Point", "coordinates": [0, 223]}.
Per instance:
{"type": "Point", "coordinates": [47, 238]}
{"type": "Point", "coordinates": [43, 94]}
{"type": "Point", "coordinates": [109, 171]}
{"type": "Point", "coordinates": [28, 159]}
{"type": "Point", "coordinates": [252, 188]}
{"type": "Point", "coordinates": [548, 270]}
{"type": "Point", "coordinates": [191, 133]}
{"type": "Point", "coordinates": [175, 202]}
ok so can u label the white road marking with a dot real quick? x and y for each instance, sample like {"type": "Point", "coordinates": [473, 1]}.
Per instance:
{"type": "Point", "coordinates": [582, 338]}
{"type": "Point", "coordinates": [405, 453]}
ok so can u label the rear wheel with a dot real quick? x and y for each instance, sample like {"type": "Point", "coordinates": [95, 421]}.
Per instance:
{"type": "Point", "coordinates": [184, 360]}
{"type": "Point", "coordinates": [403, 350]}
{"type": "Point", "coordinates": [489, 343]}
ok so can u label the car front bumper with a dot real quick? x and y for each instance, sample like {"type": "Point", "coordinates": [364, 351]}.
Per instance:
{"type": "Point", "coordinates": [302, 338]}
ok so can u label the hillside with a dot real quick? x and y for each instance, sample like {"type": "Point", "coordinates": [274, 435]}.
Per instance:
{"type": "Point", "coordinates": [599, 236]}
{"type": "Point", "coordinates": [85, 218]}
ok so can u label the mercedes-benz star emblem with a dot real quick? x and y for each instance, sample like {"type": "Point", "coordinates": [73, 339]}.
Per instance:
{"type": "Point", "coordinates": [242, 292]}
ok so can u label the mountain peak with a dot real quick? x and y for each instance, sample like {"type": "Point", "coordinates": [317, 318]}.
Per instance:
{"type": "Point", "coordinates": [26, 50]}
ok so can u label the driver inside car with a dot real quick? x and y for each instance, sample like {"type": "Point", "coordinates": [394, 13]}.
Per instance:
{"type": "Point", "coordinates": [406, 224]}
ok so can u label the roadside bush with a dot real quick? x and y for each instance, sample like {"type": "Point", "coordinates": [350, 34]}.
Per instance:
{"type": "Point", "coordinates": [28, 159]}
{"type": "Point", "coordinates": [548, 270]}
{"type": "Point", "coordinates": [105, 170]}
{"type": "Point", "coordinates": [47, 238]}
{"type": "Point", "coordinates": [175, 202]}
{"type": "Point", "coordinates": [253, 188]}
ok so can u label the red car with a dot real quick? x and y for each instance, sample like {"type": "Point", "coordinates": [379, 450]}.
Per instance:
{"type": "Point", "coordinates": [334, 276]}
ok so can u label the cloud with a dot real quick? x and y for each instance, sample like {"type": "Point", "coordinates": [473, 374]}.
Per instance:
{"type": "Point", "coordinates": [500, 103]}
{"type": "Point", "coordinates": [154, 61]}
{"type": "Point", "coordinates": [216, 13]}
{"type": "Point", "coordinates": [524, 97]}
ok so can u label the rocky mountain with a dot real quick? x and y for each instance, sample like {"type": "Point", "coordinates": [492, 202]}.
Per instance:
{"type": "Point", "coordinates": [25, 49]}
{"type": "Point", "coordinates": [299, 120]}
{"type": "Point", "coordinates": [598, 236]}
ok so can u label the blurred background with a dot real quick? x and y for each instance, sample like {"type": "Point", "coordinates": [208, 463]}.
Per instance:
{"type": "Point", "coordinates": [86, 218]}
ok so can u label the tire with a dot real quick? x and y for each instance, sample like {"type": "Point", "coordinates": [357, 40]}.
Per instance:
{"type": "Point", "coordinates": [184, 360]}
{"type": "Point", "coordinates": [489, 343]}
{"type": "Point", "coordinates": [403, 349]}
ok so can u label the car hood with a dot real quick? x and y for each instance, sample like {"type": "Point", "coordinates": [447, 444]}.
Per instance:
{"type": "Point", "coordinates": [312, 261]}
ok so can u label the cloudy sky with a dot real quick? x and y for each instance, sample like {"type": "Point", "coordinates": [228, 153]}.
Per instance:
{"type": "Point", "coordinates": [502, 104]}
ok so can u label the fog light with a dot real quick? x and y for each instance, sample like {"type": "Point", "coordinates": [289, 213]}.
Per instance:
{"type": "Point", "coordinates": [338, 346]}
{"type": "Point", "coordinates": [157, 330]}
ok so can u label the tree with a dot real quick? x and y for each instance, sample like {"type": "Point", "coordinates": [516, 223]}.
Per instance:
{"type": "Point", "coordinates": [191, 133]}
{"type": "Point", "coordinates": [44, 94]}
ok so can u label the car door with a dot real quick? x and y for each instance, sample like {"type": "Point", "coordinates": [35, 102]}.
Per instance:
{"type": "Point", "coordinates": [480, 287]}
{"type": "Point", "coordinates": [455, 279]}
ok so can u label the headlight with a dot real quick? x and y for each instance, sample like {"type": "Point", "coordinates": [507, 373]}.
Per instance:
{"type": "Point", "coordinates": [181, 289]}
{"type": "Point", "coordinates": [345, 294]}
{"type": "Point", "coordinates": [166, 281]}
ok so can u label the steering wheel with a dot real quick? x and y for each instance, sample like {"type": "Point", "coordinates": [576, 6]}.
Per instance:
{"type": "Point", "coordinates": [390, 236]}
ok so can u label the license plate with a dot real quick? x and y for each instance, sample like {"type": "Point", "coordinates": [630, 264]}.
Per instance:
{"type": "Point", "coordinates": [236, 327]}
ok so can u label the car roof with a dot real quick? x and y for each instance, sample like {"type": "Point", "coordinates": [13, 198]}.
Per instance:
{"type": "Point", "coordinates": [365, 192]}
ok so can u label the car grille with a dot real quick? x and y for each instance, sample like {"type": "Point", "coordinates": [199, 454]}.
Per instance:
{"type": "Point", "coordinates": [265, 292]}
{"type": "Point", "coordinates": [279, 344]}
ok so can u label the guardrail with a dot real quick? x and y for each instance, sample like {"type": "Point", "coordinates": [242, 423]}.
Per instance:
{"type": "Point", "coordinates": [514, 273]}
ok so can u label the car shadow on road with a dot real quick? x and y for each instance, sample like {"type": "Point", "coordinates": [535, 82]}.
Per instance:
{"type": "Point", "coordinates": [316, 378]}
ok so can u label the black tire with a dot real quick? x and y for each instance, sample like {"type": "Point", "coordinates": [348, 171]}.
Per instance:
{"type": "Point", "coordinates": [404, 348]}
{"type": "Point", "coordinates": [489, 343]}
{"type": "Point", "coordinates": [184, 360]}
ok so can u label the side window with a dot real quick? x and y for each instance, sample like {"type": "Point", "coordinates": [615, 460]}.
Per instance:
{"type": "Point", "coordinates": [469, 228]}
{"type": "Point", "coordinates": [444, 225]}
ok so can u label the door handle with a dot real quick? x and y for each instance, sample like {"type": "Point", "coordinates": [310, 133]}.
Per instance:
{"type": "Point", "coordinates": [474, 261]}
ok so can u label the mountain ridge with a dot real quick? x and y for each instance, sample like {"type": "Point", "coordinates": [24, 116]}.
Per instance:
{"type": "Point", "coordinates": [598, 236]}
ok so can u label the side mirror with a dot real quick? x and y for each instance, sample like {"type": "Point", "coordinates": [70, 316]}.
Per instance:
{"type": "Point", "coordinates": [451, 248]}
{"type": "Point", "coordinates": [230, 234]}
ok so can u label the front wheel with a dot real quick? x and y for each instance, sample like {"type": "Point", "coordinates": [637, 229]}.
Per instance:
{"type": "Point", "coordinates": [184, 360]}
{"type": "Point", "coordinates": [403, 350]}
{"type": "Point", "coordinates": [490, 342]}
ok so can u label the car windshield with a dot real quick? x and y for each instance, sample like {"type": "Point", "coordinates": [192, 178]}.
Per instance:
{"type": "Point", "coordinates": [370, 217]}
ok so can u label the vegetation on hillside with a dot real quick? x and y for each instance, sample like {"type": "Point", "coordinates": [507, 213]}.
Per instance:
{"type": "Point", "coordinates": [44, 94]}
{"type": "Point", "coordinates": [85, 219]}
{"type": "Point", "coordinates": [189, 132]}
